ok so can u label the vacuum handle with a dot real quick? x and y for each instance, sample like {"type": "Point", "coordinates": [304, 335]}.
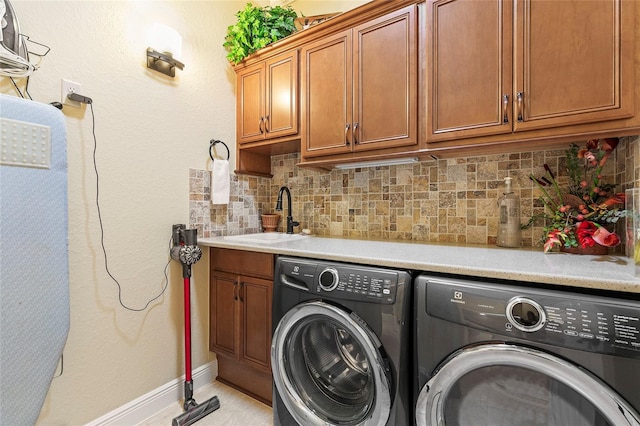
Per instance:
{"type": "Point", "coordinates": [190, 237]}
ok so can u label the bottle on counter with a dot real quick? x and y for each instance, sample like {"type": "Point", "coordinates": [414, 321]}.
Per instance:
{"type": "Point", "coordinates": [509, 233]}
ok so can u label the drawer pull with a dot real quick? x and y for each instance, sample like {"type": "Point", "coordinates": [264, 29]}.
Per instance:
{"type": "Point", "coordinates": [519, 97]}
{"type": "Point", "coordinates": [346, 134]}
{"type": "Point", "coordinates": [505, 108]}
{"type": "Point", "coordinates": [355, 133]}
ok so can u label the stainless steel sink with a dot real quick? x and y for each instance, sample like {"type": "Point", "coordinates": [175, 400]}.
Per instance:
{"type": "Point", "coordinates": [265, 237]}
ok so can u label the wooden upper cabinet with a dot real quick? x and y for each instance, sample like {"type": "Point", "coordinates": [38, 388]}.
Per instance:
{"type": "Point", "coordinates": [496, 67]}
{"type": "Point", "coordinates": [385, 83]}
{"type": "Point", "coordinates": [326, 85]}
{"type": "Point", "coordinates": [267, 99]}
{"type": "Point", "coordinates": [359, 87]}
{"type": "Point", "coordinates": [468, 68]}
{"type": "Point", "coordinates": [573, 62]}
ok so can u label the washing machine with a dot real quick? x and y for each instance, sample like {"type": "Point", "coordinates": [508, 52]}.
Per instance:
{"type": "Point", "coordinates": [341, 344]}
{"type": "Point", "coordinates": [498, 353]}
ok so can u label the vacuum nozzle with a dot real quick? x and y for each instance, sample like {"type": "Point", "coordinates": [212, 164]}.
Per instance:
{"type": "Point", "coordinates": [196, 412]}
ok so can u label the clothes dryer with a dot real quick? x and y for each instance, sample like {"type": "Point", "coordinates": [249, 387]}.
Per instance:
{"type": "Point", "coordinates": [341, 344]}
{"type": "Point", "coordinates": [494, 353]}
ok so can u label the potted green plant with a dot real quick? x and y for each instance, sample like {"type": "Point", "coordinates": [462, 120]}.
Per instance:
{"type": "Point", "coordinates": [256, 28]}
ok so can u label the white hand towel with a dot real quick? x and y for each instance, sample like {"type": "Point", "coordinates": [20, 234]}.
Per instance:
{"type": "Point", "coordinates": [220, 182]}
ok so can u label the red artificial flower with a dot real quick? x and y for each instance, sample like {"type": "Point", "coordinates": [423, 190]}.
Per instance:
{"type": "Point", "coordinates": [615, 199]}
{"type": "Point", "coordinates": [585, 231]}
{"type": "Point", "coordinates": [592, 144]}
{"type": "Point", "coordinates": [582, 152]}
{"type": "Point", "coordinates": [605, 238]}
{"type": "Point", "coordinates": [609, 144]}
{"type": "Point", "coordinates": [552, 240]}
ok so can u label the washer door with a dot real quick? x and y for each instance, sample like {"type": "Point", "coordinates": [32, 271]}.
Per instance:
{"type": "Point", "coordinates": [328, 369]}
{"type": "Point", "coordinates": [498, 384]}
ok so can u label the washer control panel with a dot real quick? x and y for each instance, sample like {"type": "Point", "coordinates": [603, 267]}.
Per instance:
{"type": "Point", "coordinates": [574, 320]}
{"type": "Point", "coordinates": [343, 281]}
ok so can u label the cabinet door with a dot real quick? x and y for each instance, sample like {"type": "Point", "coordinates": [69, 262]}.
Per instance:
{"type": "Point", "coordinates": [250, 103]}
{"type": "Point", "coordinates": [255, 300]}
{"type": "Point", "coordinates": [385, 81]}
{"type": "Point", "coordinates": [469, 72]}
{"type": "Point", "coordinates": [326, 99]}
{"type": "Point", "coordinates": [281, 114]}
{"type": "Point", "coordinates": [223, 315]}
{"type": "Point", "coordinates": [573, 62]}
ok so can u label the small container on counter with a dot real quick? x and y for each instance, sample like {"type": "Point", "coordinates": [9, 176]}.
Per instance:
{"type": "Point", "coordinates": [509, 233]}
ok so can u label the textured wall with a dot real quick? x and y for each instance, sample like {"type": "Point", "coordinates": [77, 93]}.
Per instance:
{"type": "Point", "coordinates": [151, 129]}
{"type": "Point", "coordinates": [452, 200]}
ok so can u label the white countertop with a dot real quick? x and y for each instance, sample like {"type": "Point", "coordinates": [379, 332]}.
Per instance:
{"type": "Point", "coordinates": [597, 272]}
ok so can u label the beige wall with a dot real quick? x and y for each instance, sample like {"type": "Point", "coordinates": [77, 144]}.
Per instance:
{"type": "Point", "coordinates": [321, 7]}
{"type": "Point", "coordinates": [150, 131]}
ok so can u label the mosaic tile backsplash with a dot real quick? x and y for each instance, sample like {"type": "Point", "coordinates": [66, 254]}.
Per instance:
{"type": "Point", "coordinates": [446, 200]}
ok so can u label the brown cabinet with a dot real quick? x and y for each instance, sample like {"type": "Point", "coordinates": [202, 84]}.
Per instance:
{"type": "Point", "coordinates": [501, 67]}
{"type": "Point", "coordinates": [240, 298]}
{"type": "Point", "coordinates": [359, 87]}
{"type": "Point", "coordinates": [267, 99]}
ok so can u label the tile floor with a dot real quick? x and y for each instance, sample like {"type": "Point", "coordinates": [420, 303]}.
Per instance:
{"type": "Point", "coordinates": [236, 409]}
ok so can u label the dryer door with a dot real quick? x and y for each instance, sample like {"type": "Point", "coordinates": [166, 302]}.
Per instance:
{"type": "Point", "coordinates": [493, 384]}
{"type": "Point", "coordinates": [328, 369]}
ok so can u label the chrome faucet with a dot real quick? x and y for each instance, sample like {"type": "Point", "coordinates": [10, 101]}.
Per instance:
{"type": "Point", "coordinates": [290, 222]}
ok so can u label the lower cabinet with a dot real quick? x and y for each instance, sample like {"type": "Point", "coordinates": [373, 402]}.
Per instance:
{"type": "Point", "coordinates": [240, 296]}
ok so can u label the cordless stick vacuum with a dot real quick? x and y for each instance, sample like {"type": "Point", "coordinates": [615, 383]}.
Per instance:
{"type": "Point", "coordinates": [186, 251]}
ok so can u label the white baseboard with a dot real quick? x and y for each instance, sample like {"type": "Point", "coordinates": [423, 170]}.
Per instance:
{"type": "Point", "coordinates": [158, 399]}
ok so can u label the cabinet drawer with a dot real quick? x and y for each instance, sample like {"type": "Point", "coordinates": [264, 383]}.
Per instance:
{"type": "Point", "coordinates": [242, 262]}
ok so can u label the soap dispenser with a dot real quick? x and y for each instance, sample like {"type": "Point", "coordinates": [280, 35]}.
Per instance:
{"type": "Point", "coordinates": [509, 233]}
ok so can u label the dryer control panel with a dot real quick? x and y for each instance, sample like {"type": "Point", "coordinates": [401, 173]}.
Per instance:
{"type": "Point", "coordinates": [344, 281]}
{"type": "Point", "coordinates": [559, 318]}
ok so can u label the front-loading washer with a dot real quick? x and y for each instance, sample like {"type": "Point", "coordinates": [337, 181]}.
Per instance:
{"type": "Point", "coordinates": [341, 345]}
{"type": "Point", "coordinates": [499, 353]}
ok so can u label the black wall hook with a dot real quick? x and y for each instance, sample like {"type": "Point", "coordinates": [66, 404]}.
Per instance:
{"type": "Point", "coordinates": [213, 143]}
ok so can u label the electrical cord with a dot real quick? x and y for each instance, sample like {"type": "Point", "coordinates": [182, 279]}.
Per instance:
{"type": "Point", "coordinates": [104, 250]}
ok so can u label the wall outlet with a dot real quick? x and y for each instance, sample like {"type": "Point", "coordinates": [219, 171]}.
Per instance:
{"type": "Point", "coordinates": [67, 87]}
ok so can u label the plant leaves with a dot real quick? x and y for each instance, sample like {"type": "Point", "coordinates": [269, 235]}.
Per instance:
{"type": "Point", "coordinates": [256, 28]}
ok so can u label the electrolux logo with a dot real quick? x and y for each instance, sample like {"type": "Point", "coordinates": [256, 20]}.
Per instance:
{"type": "Point", "coordinates": [458, 297]}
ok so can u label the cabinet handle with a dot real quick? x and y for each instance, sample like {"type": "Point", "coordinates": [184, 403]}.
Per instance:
{"type": "Point", "coordinates": [260, 125]}
{"type": "Point", "coordinates": [240, 291]}
{"type": "Point", "coordinates": [505, 105]}
{"type": "Point", "coordinates": [519, 98]}
{"type": "Point", "coordinates": [266, 123]}
{"type": "Point", "coordinates": [235, 291]}
{"type": "Point", "coordinates": [355, 133]}
{"type": "Point", "coordinates": [346, 134]}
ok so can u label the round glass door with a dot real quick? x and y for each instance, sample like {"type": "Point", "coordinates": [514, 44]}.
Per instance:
{"type": "Point", "coordinates": [497, 384]}
{"type": "Point", "coordinates": [328, 369]}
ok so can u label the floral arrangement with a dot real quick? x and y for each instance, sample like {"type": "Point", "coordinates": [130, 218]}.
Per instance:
{"type": "Point", "coordinates": [583, 213]}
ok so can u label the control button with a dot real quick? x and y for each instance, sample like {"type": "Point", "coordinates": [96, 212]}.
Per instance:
{"type": "Point", "coordinates": [526, 314]}
{"type": "Point", "coordinates": [571, 332]}
{"type": "Point", "coordinates": [328, 279]}
{"type": "Point", "coordinates": [586, 335]}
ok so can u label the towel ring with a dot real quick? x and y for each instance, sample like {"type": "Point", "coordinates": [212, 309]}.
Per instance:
{"type": "Point", "coordinates": [214, 142]}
